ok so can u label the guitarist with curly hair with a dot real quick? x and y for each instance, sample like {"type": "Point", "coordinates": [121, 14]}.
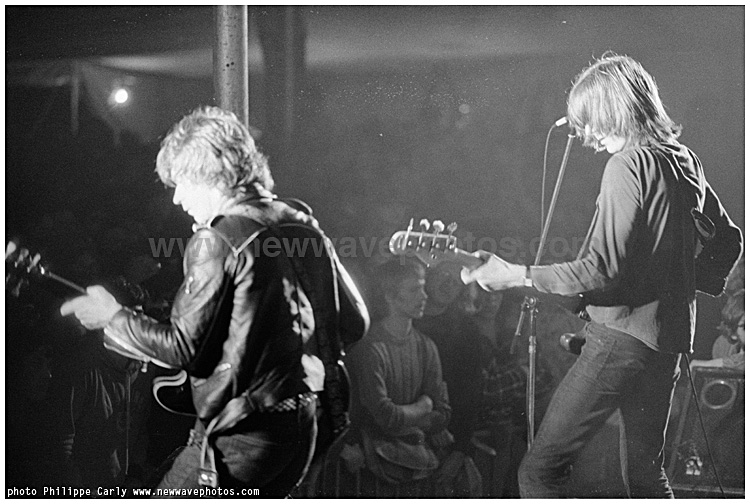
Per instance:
{"type": "Point", "coordinates": [258, 323]}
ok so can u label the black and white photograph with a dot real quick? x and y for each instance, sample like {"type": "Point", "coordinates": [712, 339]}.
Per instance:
{"type": "Point", "coordinates": [422, 251]}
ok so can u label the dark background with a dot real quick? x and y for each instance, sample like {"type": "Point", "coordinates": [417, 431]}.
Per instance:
{"type": "Point", "coordinates": [399, 112]}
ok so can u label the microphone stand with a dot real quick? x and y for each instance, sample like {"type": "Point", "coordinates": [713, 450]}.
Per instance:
{"type": "Point", "coordinates": [530, 303]}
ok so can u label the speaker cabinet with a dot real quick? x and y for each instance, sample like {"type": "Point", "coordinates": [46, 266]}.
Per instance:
{"type": "Point", "coordinates": [721, 401]}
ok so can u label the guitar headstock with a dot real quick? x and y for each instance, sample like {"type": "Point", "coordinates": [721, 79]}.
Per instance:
{"type": "Point", "coordinates": [20, 264]}
{"type": "Point", "coordinates": [430, 246]}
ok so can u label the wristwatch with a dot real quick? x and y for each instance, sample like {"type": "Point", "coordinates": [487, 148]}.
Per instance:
{"type": "Point", "coordinates": [527, 282]}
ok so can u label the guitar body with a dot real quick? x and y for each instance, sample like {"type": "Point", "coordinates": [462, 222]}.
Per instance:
{"type": "Point", "coordinates": [173, 393]}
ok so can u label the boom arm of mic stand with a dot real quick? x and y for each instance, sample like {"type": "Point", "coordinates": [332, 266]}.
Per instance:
{"type": "Point", "coordinates": [531, 302]}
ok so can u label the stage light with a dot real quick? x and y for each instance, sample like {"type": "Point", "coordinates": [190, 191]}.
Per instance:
{"type": "Point", "coordinates": [121, 91]}
{"type": "Point", "coordinates": [120, 96]}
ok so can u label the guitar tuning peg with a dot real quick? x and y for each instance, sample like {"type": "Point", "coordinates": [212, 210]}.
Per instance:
{"type": "Point", "coordinates": [424, 224]}
{"type": "Point", "coordinates": [34, 262]}
{"type": "Point", "coordinates": [10, 248]}
{"type": "Point", "coordinates": [22, 255]}
{"type": "Point", "coordinates": [438, 226]}
{"type": "Point", "coordinates": [452, 228]}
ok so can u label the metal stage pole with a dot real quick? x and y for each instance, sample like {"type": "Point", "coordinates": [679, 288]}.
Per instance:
{"type": "Point", "coordinates": [231, 72]}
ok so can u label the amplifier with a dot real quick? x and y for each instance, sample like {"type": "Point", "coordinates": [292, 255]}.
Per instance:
{"type": "Point", "coordinates": [721, 401]}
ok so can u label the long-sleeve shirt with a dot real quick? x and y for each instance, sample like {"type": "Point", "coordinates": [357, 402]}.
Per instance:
{"type": "Point", "coordinates": [390, 372]}
{"type": "Point", "coordinates": [637, 274]}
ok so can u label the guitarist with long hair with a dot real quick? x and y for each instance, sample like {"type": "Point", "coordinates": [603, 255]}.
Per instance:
{"type": "Point", "coordinates": [258, 323]}
{"type": "Point", "coordinates": [638, 274]}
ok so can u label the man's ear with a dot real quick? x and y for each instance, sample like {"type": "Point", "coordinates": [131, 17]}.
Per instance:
{"type": "Point", "coordinates": [389, 300]}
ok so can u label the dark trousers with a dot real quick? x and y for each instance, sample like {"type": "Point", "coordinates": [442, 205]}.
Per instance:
{"type": "Point", "coordinates": [614, 371]}
{"type": "Point", "coordinates": [270, 452]}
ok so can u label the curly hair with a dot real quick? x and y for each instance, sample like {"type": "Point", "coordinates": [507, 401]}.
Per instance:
{"type": "Point", "coordinates": [617, 96]}
{"type": "Point", "coordinates": [211, 146]}
{"type": "Point", "coordinates": [732, 313]}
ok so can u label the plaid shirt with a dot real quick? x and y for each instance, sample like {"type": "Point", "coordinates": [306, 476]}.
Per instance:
{"type": "Point", "coordinates": [504, 391]}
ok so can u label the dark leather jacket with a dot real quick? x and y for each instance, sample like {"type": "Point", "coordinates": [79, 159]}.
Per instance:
{"type": "Point", "coordinates": [240, 323]}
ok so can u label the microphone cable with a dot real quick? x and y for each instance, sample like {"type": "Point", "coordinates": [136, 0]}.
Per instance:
{"type": "Point", "coordinates": [544, 175]}
{"type": "Point", "coordinates": [560, 122]}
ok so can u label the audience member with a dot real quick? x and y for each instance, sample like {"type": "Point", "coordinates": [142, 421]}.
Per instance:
{"type": "Point", "coordinates": [729, 348]}
{"type": "Point", "coordinates": [459, 345]}
{"type": "Point", "coordinates": [736, 278]}
{"type": "Point", "coordinates": [401, 404]}
{"type": "Point", "coordinates": [101, 402]}
{"type": "Point", "coordinates": [461, 352]}
{"type": "Point", "coordinates": [502, 410]}
{"type": "Point", "coordinates": [29, 421]}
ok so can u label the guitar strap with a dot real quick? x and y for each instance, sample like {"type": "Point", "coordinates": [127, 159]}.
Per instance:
{"type": "Point", "coordinates": [329, 348]}
{"type": "Point", "coordinates": [335, 390]}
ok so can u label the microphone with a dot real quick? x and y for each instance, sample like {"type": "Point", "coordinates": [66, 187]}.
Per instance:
{"type": "Point", "coordinates": [561, 122]}
{"type": "Point", "coordinates": [572, 342]}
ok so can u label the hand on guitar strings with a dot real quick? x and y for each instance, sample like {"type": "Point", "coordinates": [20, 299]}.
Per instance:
{"type": "Point", "coordinates": [495, 273]}
{"type": "Point", "coordinates": [95, 309]}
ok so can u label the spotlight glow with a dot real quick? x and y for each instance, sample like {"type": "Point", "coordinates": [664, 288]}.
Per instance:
{"type": "Point", "coordinates": [121, 96]}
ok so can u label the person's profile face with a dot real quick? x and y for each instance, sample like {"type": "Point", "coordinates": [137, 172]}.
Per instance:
{"type": "Point", "coordinates": [444, 284]}
{"type": "Point", "coordinates": [608, 142]}
{"type": "Point", "coordinates": [201, 201]}
{"type": "Point", "coordinates": [741, 330]}
{"type": "Point", "coordinates": [475, 301]}
{"type": "Point", "coordinates": [410, 298]}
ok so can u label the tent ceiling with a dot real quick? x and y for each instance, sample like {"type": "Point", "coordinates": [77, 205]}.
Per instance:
{"type": "Point", "coordinates": [178, 40]}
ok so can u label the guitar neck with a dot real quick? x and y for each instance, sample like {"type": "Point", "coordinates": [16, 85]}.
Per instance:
{"type": "Point", "coordinates": [62, 280]}
{"type": "Point", "coordinates": [20, 264]}
{"type": "Point", "coordinates": [466, 259]}
{"type": "Point", "coordinates": [432, 249]}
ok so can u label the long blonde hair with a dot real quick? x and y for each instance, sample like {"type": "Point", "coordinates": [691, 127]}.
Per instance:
{"type": "Point", "coordinates": [617, 96]}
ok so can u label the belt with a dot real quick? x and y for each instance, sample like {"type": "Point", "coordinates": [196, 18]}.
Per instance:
{"type": "Point", "coordinates": [235, 411]}
{"type": "Point", "coordinates": [288, 404]}
{"type": "Point", "coordinates": [292, 403]}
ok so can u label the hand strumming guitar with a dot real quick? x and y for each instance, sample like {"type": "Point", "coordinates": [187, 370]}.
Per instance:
{"type": "Point", "coordinates": [95, 309]}
{"type": "Point", "coordinates": [495, 273]}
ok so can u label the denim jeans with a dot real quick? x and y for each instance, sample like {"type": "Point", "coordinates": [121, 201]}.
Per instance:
{"type": "Point", "coordinates": [270, 452]}
{"type": "Point", "coordinates": [614, 371]}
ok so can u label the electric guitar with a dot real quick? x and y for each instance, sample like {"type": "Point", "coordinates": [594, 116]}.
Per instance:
{"type": "Point", "coordinates": [432, 248]}
{"type": "Point", "coordinates": [171, 392]}
{"type": "Point", "coordinates": [20, 266]}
